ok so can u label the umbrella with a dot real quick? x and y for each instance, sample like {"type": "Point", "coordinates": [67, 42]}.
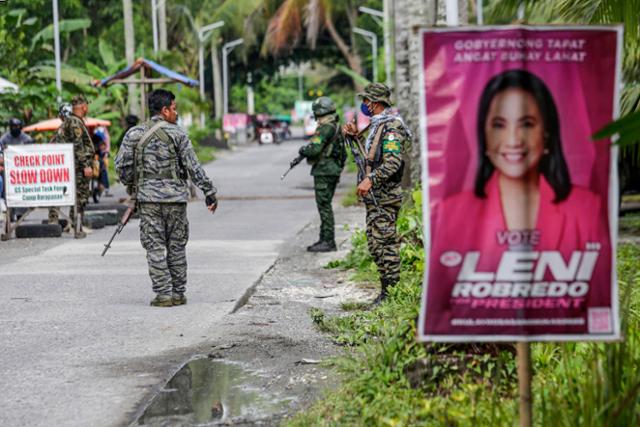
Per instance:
{"type": "Point", "coordinates": [54, 124]}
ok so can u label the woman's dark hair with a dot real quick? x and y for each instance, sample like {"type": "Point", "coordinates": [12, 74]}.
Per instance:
{"type": "Point", "coordinates": [159, 99]}
{"type": "Point", "coordinates": [552, 165]}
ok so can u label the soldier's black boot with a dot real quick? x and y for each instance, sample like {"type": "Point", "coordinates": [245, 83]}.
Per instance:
{"type": "Point", "coordinates": [314, 245]}
{"type": "Point", "coordinates": [323, 247]}
{"type": "Point", "coordinates": [384, 291]}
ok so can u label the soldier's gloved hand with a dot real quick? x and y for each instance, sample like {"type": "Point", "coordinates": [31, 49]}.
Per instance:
{"type": "Point", "coordinates": [212, 203]}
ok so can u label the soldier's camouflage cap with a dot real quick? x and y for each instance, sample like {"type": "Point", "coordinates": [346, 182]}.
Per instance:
{"type": "Point", "coordinates": [377, 92]}
{"type": "Point", "coordinates": [79, 99]}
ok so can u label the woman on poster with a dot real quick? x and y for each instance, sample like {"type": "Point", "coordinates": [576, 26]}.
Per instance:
{"type": "Point", "coordinates": [523, 198]}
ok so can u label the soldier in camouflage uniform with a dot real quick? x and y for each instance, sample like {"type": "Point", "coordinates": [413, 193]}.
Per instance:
{"type": "Point", "coordinates": [74, 131]}
{"type": "Point", "coordinates": [155, 161]}
{"type": "Point", "coordinates": [386, 139]}
{"type": "Point", "coordinates": [327, 155]}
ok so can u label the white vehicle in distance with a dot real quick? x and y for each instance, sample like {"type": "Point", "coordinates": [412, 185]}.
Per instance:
{"type": "Point", "coordinates": [310, 126]}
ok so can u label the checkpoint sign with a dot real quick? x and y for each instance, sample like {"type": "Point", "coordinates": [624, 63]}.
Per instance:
{"type": "Point", "coordinates": [40, 175]}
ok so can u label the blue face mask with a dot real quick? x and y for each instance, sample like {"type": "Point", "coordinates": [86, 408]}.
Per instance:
{"type": "Point", "coordinates": [365, 110]}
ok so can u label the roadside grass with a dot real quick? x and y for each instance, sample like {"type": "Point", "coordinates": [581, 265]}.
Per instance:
{"type": "Point", "coordinates": [351, 198]}
{"type": "Point", "coordinates": [205, 154]}
{"type": "Point", "coordinates": [391, 380]}
{"type": "Point", "coordinates": [630, 224]}
{"type": "Point", "coordinates": [629, 198]}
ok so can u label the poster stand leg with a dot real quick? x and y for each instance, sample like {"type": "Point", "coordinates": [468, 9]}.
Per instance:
{"type": "Point", "coordinates": [523, 352]}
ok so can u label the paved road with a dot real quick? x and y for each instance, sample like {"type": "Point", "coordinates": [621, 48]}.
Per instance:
{"type": "Point", "coordinates": [80, 345]}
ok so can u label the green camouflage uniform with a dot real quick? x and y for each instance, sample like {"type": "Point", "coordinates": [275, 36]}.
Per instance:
{"type": "Point", "coordinates": [73, 131]}
{"type": "Point", "coordinates": [326, 170]}
{"type": "Point", "coordinates": [160, 172]}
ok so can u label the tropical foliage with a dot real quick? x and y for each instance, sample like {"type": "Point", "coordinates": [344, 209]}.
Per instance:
{"type": "Point", "coordinates": [595, 12]}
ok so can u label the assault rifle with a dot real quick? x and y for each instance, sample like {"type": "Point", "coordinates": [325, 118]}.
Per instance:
{"type": "Point", "coordinates": [295, 162]}
{"type": "Point", "coordinates": [123, 221]}
{"type": "Point", "coordinates": [359, 158]}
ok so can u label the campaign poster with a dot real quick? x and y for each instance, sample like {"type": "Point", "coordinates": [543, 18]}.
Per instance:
{"type": "Point", "coordinates": [39, 175]}
{"type": "Point", "coordinates": [520, 203]}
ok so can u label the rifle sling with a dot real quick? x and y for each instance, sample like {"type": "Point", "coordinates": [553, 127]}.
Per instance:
{"type": "Point", "coordinates": [371, 155]}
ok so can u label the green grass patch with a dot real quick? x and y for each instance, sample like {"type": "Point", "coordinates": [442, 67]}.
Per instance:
{"type": "Point", "coordinates": [354, 305]}
{"type": "Point", "coordinates": [631, 198]}
{"type": "Point", "coordinates": [629, 224]}
{"type": "Point", "coordinates": [351, 198]}
{"type": "Point", "coordinates": [391, 380]}
{"type": "Point", "coordinates": [205, 154]}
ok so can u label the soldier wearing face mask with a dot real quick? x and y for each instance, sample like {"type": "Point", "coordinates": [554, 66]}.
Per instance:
{"type": "Point", "coordinates": [383, 143]}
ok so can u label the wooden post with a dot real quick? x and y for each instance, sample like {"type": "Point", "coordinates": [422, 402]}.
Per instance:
{"type": "Point", "coordinates": [524, 383]}
{"type": "Point", "coordinates": [143, 95]}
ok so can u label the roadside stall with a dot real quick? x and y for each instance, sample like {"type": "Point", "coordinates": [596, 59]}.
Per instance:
{"type": "Point", "coordinates": [145, 68]}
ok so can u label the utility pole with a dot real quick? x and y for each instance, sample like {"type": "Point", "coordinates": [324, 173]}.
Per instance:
{"type": "Point", "coordinates": [300, 83]}
{"type": "Point", "coordinates": [451, 7]}
{"type": "Point", "coordinates": [162, 21]}
{"type": "Point", "coordinates": [129, 43]}
{"type": "Point", "coordinates": [154, 22]}
{"type": "Point", "coordinates": [250, 97]}
{"type": "Point", "coordinates": [383, 18]}
{"type": "Point", "coordinates": [56, 43]}
{"type": "Point", "coordinates": [372, 38]}
{"type": "Point", "coordinates": [226, 49]}
{"type": "Point", "coordinates": [202, 33]}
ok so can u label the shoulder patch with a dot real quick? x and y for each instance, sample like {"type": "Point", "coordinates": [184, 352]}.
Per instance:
{"type": "Point", "coordinates": [77, 131]}
{"type": "Point", "coordinates": [316, 139]}
{"type": "Point", "coordinates": [391, 143]}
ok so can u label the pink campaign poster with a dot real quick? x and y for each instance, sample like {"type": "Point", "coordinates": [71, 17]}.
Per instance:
{"type": "Point", "coordinates": [520, 203]}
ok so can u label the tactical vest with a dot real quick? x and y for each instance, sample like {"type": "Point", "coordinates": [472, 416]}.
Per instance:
{"type": "Point", "coordinates": [332, 149]}
{"type": "Point", "coordinates": [374, 157]}
{"type": "Point", "coordinates": [175, 172]}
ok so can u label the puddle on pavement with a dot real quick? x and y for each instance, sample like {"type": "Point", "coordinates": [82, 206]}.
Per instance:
{"type": "Point", "coordinates": [209, 391]}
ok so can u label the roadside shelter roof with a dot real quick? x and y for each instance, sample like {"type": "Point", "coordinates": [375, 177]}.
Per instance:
{"type": "Point", "coordinates": [170, 76]}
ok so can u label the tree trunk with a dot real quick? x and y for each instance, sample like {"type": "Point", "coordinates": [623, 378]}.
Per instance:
{"type": "Point", "coordinates": [129, 43]}
{"type": "Point", "coordinates": [217, 78]}
{"type": "Point", "coordinates": [162, 24]}
{"type": "Point", "coordinates": [409, 14]}
{"type": "Point", "coordinates": [353, 59]}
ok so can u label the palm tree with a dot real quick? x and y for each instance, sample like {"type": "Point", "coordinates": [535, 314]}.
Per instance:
{"type": "Point", "coordinates": [285, 28]}
{"type": "Point", "coordinates": [236, 15]}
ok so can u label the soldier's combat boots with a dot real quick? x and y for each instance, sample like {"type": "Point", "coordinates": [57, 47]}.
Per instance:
{"type": "Point", "coordinates": [161, 301]}
{"type": "Point", "coordinates": [178, 299]}
{"type": "Point", "coordinates": [384, 291]}
{"type": "Point", "coordinates": [314, 245]}
{"type": "Point", "coordinates": [322, 247]}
